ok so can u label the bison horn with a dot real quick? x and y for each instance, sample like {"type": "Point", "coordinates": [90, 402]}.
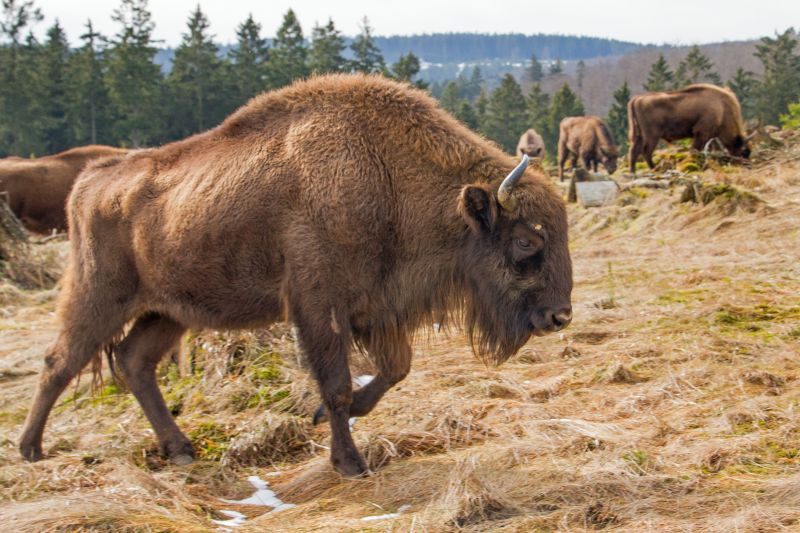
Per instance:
{"type": "Point", "coordinates": [505, 194]}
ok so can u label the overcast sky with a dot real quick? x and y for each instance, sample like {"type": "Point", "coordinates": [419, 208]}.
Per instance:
{"type": "Point", "coordinates": [670, 21]}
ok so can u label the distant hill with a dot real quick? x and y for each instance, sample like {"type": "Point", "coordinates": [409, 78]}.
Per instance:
{"type": "Point", "coordinates": [445, 53]}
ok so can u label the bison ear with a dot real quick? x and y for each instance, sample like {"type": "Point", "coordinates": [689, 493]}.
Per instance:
{"type": "Point", "coordinates": [478, 207]}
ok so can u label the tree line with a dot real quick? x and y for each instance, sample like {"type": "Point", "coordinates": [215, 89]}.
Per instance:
{"type": "Point", "coordinates": [109, 90]}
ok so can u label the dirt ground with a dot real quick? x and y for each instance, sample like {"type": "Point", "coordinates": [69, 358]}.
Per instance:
{"type": "Point", "coordinates": [670, 403]}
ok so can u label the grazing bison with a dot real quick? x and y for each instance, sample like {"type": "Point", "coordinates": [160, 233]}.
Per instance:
{"type": "Point", "coordinates": [531, 144]}
{"type": "Point", "coordinates": [589, 139]}
{"type": "Point", "coordinates": [351, 203]}
{"type": "Point", "coordinates": [37, 189]}
{"type": "Point", "coordinates": [700, 112]}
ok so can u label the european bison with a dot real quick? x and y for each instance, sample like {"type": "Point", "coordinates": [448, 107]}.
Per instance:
{"type": "Point", "coordinates": [589, 139]}
{"type": "Point", "coordinates": [699, 111]}
{"type": "Point", "coordinates": [531, 144]}
{"type": "Point", "coordinates": [352, 204]}
{"type": "Point", "coordinates": [37, 189]}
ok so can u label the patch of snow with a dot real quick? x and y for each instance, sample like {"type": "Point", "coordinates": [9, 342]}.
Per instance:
{"type": "Point", "coordinates": [263, 496]}
{"type": "Point", "coordinates": [363, 381]}
{"type": "Point", "coordinates": [237, 519]}
{"type": "Point", "coordinates": [400, 510]}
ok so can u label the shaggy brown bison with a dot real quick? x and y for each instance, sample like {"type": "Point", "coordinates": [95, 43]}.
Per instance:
{"type": "Point", "coordinates": [700, 112]}
{"type": "Point", "coordinates": [351, 203]}
{"type": "Point", "coordinates": [531, 144]}
{"type": "Point", "coordinates": [37, 189]}
{"type": "Point", "coordinates": [589, 139]}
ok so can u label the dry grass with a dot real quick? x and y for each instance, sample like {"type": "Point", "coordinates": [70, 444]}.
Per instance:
{"type": "Point", "coordinates": [670, 404]}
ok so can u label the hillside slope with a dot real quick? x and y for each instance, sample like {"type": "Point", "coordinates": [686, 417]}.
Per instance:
{"type": "Point", "coordinates": [670, 403]}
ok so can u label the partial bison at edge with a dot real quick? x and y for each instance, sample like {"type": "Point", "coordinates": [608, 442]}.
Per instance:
{"type": "Point", "coordinates": [352, 202]}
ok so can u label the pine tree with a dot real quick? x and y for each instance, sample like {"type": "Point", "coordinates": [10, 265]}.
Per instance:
{"type": "Point", "coordinates": [505, 117]}
{"type": "Point", "coordinates": [538, 106]}
{"type": "Point", "coordinates": [481, 107]}
{"type": "Point", "coordinates": [556, 68]}
{"type": "Point", "coordinates": [617, 119]}
{"type": "Point", "coordinates": [580, 73]}
{"type": "Point", "coordinates": [134, 82]}
{"type": "Point", "coordinates": [327, 47]}
{"type": "Point", "coordinates": [287, 58]}
{"type": "Point", "coordinates": [53, 59]}
{"type": "Point", "coordinates": [466, 114]}
{"type": "Point", "coordinates": [565, 104]}
{"type": "Point", "coordinates": [367, 56]}
{"type": "Point", "coordinates": [196, 81]}
{"type": "Point", "coordinates": [745, 85]}
{"type": "Point", "coordinates": [406, 67]}
{"type": "Point", "coordinates": [660, 77]}
{"type": "Point", "coordinates": [249, 59]}
{"type": "Point", "coordinates": [695, 68]}
{"type": "Point", "coordinates": [20, 110]}
{"type": "Point", "coordinates": [88, 105]}
{"type": "Point", "coordinates": [451, 98]}
{"type": "Point", "coordinates": [535, 72]}
{"type": "Point", "coordinates": [780, 85]}
{"type": "Point", "coordinates": [473, 85]}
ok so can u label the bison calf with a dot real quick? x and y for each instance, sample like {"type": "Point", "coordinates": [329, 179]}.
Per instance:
{"type": "Point", "coordinates": [588, 139]}
{"type": "Point", "coordinates": [352, 202]}
{"type": "Point", "coordinates": [37, 189]}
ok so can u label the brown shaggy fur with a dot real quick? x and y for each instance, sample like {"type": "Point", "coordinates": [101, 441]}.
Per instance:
{"type": "Point", "coordinates": [531, 144]}
{"type": "Point", "coordinates": [352, 202]}
{"type": "Point", "coordinates": [700, 112]}
{"type": "Point", "coordinates": [37, 189]}
{"type": "Point", "coordinates": [589, 139]}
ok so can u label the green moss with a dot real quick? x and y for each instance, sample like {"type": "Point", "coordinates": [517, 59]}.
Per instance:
{"type": "Point", "coordinates": [638, 460]}
{"type": "Point", "coordinates": [682, 296]}
{"type": "Point", "coordinates": [263, 396]}
{"type": "Point", "coordinates": [210, 439]}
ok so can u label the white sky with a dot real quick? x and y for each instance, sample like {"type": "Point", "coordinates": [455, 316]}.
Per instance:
{"type": "Point", "coordinates": [665, 21]}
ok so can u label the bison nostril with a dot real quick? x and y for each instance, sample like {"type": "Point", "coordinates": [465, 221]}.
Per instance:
{"type": "Point", "coordinates": [562, 319]}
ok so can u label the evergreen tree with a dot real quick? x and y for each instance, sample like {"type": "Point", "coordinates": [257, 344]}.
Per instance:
{"type": "Point", "coordinates": [535, 72]}
{"type": "Point", "coordinates": [287, 58]}
{"type": "Point", "coordinates": [466, 114]}
{"type": "Point", "coordinates": [451, 98]}
{"type": "Point", "coordinates": [481, 107]}
{"type": "Point", "coordinates": [565, 104]}
{"type": "Point", "coordinates": [780, 85]}
{"type": "Point", "coordinates": [53, 59]}
{"type": "Point", "coordinates": [556, 68]}
{"type": "Point", "coordinates": [249, 59]}
{"type": "Point", "coordinates": [660, 77]}
{"type": "Point", "coordinates": [538, 106]}
{"type": "Point", "coordinates": [505, 117]}
{"type": "Point", "coordinates": [695, 68]}
{"type": "Point", "coordinates": [580, 73]}
{"type": "Point", "coordinates": [406, 67]}
{"type": "Point", "coordinates": [473, 85]}
{"type": "Point", "coordinates": [20, 106]}
{"type": "Point", "coordinates": [327, 47]}
{"type": "Point", "coordinates": [617, 119]}
{"type": "Point", "coordinates": [367, 56]}
{"type": "Point", "coordinates": [88, 105]}
{"type": "Point", "coordinates": [134, 82]}
{"type": "Point", "coordinates": [196, 81]}
{"type": "Point", "coordinates": [745, 85]}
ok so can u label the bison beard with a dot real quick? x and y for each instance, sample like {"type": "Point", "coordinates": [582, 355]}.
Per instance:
{"type": "Point", "coordinates": [352, 202]}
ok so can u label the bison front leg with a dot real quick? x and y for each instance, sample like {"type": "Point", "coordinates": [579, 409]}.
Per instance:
{"type": "Point", "coordinates": [325, 342]}
{"type": "Point", "coordinates": [392, 355]}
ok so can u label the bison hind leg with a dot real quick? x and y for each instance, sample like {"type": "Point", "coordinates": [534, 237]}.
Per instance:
{"type": "Point", "coordinates": [149, 340]}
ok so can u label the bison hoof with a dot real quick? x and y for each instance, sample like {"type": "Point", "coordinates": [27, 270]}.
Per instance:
{"type": "Point", "coordinates": [31, 453]}
{"type": "Point", "coordinates": [181, 460]}
{"type": "Point", "coordinates": [320, 416]}
{"type": "Point", "coordinates": [352, 469]}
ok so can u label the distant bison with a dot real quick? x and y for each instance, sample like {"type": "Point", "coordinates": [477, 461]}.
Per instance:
{"type": "Point", "coordinates": [37, 189]}
{"type": "Point", "coordinates": [700, 112]}
{"type": "Point", "coordinates": [589, 139]}
{"type": "Point", "coordinates": [531, 144]}
{"type": "Point", "coordinates": [352, 204]}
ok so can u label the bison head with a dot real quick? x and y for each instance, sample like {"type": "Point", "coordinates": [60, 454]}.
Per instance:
{"type": "Point", "coordinates": [531, 150]}
{"type": "Point", "coordinates": [609, 159]}
{"type": "Point", "coordinates": [516, 261]}
{"type": "Point", "coordinates": [740, 147]}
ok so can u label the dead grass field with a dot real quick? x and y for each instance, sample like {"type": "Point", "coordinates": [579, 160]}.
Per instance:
{"type": "Point", "coordinates": [670, 404]}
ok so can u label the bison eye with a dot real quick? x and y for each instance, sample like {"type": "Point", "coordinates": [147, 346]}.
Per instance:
{"type": "Point", "coordinates": [524, 243]}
